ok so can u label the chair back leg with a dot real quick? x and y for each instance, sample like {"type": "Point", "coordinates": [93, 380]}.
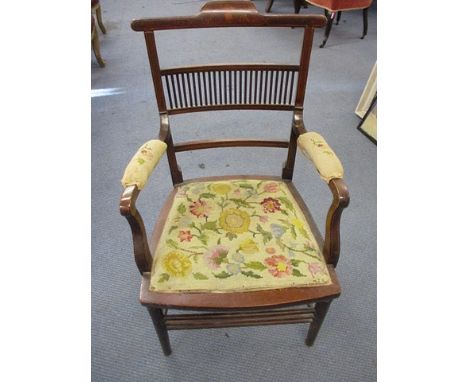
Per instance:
{"type": "Point", "coordinates": [321, 309]}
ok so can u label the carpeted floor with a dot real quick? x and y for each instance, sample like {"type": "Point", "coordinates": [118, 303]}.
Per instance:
{"type": "Point", "coordinates": [124, 344]}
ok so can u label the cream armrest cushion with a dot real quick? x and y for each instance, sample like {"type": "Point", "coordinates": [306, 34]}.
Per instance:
{"type": "Point", "coordinates": [143, 162]}
{"type": "Point", "coordinates": [314, 147]}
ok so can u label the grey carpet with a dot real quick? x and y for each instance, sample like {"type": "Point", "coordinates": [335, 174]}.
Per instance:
{"type": "Point", "coordinates": [124, 344]}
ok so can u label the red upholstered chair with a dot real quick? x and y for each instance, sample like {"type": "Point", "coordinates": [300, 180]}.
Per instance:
{"type": "Point", "coordinates": [95, 43]}
{"type": "Point", "coordinates": [96, 8]}
{"type": "Point", "coordinates": [332, 8]}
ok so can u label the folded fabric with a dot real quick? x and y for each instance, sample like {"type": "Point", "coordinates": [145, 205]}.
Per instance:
{"type": "Point", "coordinates": [314, 147]}
{"type": "Point", "coordinates": [143, 162]}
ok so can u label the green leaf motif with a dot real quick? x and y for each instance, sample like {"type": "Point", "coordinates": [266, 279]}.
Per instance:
{"type": "Point", "coordinates": [172, 229]}
{"type": "Point", "coordinates": [219, 241]}
{"type": "Point", "coordinates": [140, 160]}
{"type": "Point", "coordinates": [181, 209]}
{"type": "Point", "coordinates": [251, 274]}
{"type": "Point", "coordinates": [296, 262]}
{"type": "Point", "coordinates": [267, 236]}
{"type": "Point", "coordinates": [163, 277]}
{"type": "Point", "coordinates": [287, 203]}
{"type": "Point", "coordinates": [203, 238]}
{"type": "Point", "coordinates": [298, 273]}
{"type": "Point", "coordinates": [304, 233]}
{"type": "Point", "coordinates": [200, 276]}
{"type": "Point", "coordinates": [231, 235]}
{"type": "Point", "coordinates": [210, 225]}
{"type": "Point", "coordinates": [207, 195]}
{"type": "Point", "coordinates": [246, 185]}
{"type": "Point", "coordinates": [241, 203]}
{"type": "Point", "coordinates": [171, 243]}
{"type": "Point", "coordinates": [257, 265]}
{"type": "Point", "coordinates": [293, 232]}
{"type": "Point", "coordinates": [222, 275]}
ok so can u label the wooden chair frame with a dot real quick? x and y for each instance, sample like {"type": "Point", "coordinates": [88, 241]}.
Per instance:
{"type": "Point", "coordinates": [228, 87]}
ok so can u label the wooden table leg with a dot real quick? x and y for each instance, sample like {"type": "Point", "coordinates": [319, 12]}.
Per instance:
{"type": "Point", "coordinates": [161, 329]}
{"type": "Point", "coordinates": [321, 309]}
{"type": "Point", "coordinates": [338, 17]}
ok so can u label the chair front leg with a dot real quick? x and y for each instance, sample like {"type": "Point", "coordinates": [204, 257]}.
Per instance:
{"type": "Point", "coordinates": [364, 20]}
{"type": "Point", "coordinates": [330, 17]}
{"type": "Point", "coordinates": [321, 309]}
{"type": "Point", "coordinates": [158, 321]}
{"type": "Point", "coordinates": [99, 19]}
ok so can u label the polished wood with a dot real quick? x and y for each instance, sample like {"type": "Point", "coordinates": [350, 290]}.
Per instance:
{"type": "Point", "coordinates": [264, 86]}
{"type": "Point", "coordinates": [321, 309]}
{"type": "Point", "coordinates": [269, 298]}
{"type": "Point", "coordinates": [128, 209]}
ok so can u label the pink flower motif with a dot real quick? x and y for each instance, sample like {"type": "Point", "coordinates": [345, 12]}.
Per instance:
{"type": "Point", "coordinates": [264, 218]}
{"type": "Point", "coordinates": [270, 205]}
{"type": "Point", "coordinates": [315, 268]}
{"type": "Point", "coordinates": [237, 192]}
{"type": "Point", "coordinates": [271, 187]}
{"type": "Point", "coordinates": [185, 236]}
{"type": "Point", "coordinates": [200, 208]}
{"type": "Point", "coordinates": [270, 250]}
{"type": "Point", "coordinates": [215, 256]}
{"type": "Point", "coordinates": [279, 266]}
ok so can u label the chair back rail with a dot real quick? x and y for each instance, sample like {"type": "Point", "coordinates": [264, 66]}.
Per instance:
{"type": "Point", "coordinates": [228, 86]}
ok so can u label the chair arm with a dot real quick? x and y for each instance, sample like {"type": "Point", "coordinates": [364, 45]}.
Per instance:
{"type": "Point", "coordinates": [317, 150]}
{"type": "Point", "coordinates": [135, 177]}
{"type": "Point", "coordinates": [330, 169]}
{"type": "Point", "coordinates": [143, 163]}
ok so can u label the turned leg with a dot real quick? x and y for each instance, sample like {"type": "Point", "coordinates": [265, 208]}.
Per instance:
{"type": "Point", "coordinates": [328, 28]}
{"type": "Point", "coordinates": [161, 329]}
{"type": "Point", "coordinates": [321, 309]}
{"type": "Point", "coordinates": [268, 5]}
{"type": "Point", "coordinates": [297, 5]}
{"type": "Point", "coordinates": [338, 17]}
{"type": "Point", "coordinates": [364, 19]}
{"type": "Point", "coordinates": [96, 48]}
{"type": "Point", "coordinates": [99, 19]}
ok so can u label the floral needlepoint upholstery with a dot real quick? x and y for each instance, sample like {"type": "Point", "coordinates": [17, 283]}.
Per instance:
{"type": "Point", "coordinates": [236, 235]}
{"type": "Point", "coordinates": [143, 163]}
{"type": "Point", "coordinates": [314, 147]}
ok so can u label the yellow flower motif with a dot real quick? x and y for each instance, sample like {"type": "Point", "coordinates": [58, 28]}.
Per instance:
{"type": "Point", "coordinates": [297, 223]}
{"type": "Point", "coordinates": [235, 221]}
{"type": "Point", "coordinates": [177, 264]}
{"type": "Point", "coordinates": [221, 188]}
{"type": "Point", "coordinates": [249, 247]}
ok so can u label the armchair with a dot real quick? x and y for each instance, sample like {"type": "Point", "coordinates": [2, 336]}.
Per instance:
{"type": "Point", "coordinates": [234, 248]}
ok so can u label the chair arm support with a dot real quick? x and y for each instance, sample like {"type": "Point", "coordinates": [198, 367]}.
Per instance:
{"type": "Point", "coordinates": [143, 163]}
{"type": "Point", "coordinates": [331, 246]}
{"type": "Point", "coordinates": [128, 209]}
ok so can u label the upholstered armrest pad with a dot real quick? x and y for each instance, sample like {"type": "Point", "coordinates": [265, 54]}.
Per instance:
{"type": "Point", "coordinates": [314, 147]}
{"type": "Point", "coordinates": [143, 162]}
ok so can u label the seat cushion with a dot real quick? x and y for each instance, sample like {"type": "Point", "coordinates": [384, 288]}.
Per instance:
{"type": "Point", "coordinates": [236, 235]}
{"type": "Point", "coordinates": [341, 5]}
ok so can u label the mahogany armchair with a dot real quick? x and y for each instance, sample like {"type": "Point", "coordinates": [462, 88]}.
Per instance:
{"type": "Point", "coordinates": [234, 249]}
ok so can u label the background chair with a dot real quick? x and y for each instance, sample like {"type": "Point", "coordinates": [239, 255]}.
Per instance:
{"type": "Point", "coordinates": [95, 43]}
{"type": "Point", "coordinates": [332, 9]}
{"type": "Point", "coordinates": [223, 244]}
{"type": "Point", "coordinates": [96, 8]}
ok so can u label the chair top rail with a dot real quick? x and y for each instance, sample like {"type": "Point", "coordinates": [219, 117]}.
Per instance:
{"type": "Point", "coordinates": [218, 14]}
{"type": "Point", "coordinates": [228, 67]}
